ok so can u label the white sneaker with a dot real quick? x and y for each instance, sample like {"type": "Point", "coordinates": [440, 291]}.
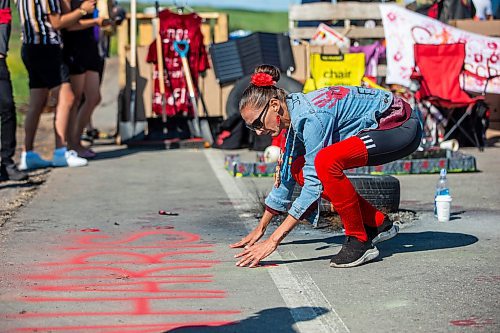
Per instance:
{"type": "Point", "coordinates": [63, 157]}
{"type": "Point", "coordinates": [31, 160]}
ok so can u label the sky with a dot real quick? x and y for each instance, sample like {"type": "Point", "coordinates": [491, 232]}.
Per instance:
{"type": "Point", "coordinates": [268, 5]}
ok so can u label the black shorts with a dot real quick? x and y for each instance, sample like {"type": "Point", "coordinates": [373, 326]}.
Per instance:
{"type": "Point", "coordinates": [81, 53]}
{"type": "Point", "coordinates": [44, 65]}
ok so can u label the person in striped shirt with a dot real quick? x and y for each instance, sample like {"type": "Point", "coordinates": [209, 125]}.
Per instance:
{"type": "Point", "coordinates": [41, 52]}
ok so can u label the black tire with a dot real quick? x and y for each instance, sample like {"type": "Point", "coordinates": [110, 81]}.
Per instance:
{"type": "Point", "coordinates": [381, 191]}
{"type": "Point", "coordinates": [232, 104]}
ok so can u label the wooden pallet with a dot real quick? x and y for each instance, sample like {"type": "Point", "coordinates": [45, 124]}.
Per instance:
{"type": "Point", "coordinates": [350, 15]}
{"type": "Point", "coordinates": [345, 12]}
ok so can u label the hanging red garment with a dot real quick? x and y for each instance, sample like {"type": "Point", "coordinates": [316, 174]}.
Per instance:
{"type": "Point", "coordinates": [175, 27]}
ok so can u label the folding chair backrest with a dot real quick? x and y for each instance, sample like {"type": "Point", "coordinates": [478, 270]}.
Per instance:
{"type": "Point", "coordinates": [440, 67]}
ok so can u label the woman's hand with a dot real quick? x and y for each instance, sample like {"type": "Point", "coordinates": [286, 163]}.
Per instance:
{"type": "Point", "coordinates": [255, 253]}
{"type": "Point", "coordinates": [249, 239]}
{"type": "Point", "coordinates": [103, 22]}
{"type": "Point", "coordinates": [88, 6]}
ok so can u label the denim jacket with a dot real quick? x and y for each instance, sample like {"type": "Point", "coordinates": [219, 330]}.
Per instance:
{"type": "Point", "coordinates": [318, 119]}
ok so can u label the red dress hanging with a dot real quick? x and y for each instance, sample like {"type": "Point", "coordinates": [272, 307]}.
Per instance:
{"type": "Point", "coordinates": [175, 27]}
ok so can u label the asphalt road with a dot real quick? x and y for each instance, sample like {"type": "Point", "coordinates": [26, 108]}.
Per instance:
{"type": "Point", "coordinates": [90, 253]}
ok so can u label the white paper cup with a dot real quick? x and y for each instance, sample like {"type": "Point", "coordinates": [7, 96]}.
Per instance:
{"type": "Point", "coordinates": [443, 207]}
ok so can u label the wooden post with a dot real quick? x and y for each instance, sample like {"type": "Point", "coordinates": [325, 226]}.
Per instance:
{"type": "Point", "coordinates": [220, 29]}
{"type": "Point", "coordinates": [146, 34]}
{"type": "Point", "coordinates": [206, 30]}
{"type": "Point", "coordinates": [122, 35]}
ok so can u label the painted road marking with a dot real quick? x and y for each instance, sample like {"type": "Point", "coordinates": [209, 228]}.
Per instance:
{"type": "Point", "coordinates": [135, 286]}
{"type": "Point", "coordinates": [289, 284]}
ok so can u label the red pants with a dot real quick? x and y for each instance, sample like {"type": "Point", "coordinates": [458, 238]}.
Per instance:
{"type": "Point", "coordinates": [330, 163]}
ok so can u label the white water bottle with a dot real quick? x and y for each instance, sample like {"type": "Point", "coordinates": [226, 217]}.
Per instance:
{"type": "Point", "coordinates": [441, 188]}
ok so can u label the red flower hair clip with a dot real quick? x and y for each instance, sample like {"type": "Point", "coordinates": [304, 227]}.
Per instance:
{"type": "Point", "coordinates": [262, 80]}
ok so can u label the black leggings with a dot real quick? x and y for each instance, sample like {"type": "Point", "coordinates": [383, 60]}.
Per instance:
{"type": "Point", "coordinates": [385, 146]}
{"type": "Point", "coordinates": [7, 116]}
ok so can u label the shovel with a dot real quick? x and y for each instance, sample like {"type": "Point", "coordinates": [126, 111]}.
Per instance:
{"type": "Point", "coordinates": [182, 48]}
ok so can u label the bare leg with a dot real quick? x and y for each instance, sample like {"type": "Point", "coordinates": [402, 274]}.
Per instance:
{"type": "Point", "coordinates": [92, 94]}
{"type": "Point", "coordinates": [65, 103]}
{"type": "Point", "coordinates": [77, 84]}
{"type": "Point", "coordinates": [89, 126]}
{"type": "Point", "coordinates": [38, 98]}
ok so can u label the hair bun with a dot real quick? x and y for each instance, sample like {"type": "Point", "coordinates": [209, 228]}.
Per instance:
{"type": "Point", "coordinates": [262, 80]}
{"type": "Point", "coordinates": [271, 70]}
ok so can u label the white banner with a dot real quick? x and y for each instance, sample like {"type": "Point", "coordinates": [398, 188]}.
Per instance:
{"type": "Point", "coordinates": [404, 28]}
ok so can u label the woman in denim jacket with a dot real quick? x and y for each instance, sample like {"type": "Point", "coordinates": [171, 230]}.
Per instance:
{"type": "Point", "coordinates": [329, 130]}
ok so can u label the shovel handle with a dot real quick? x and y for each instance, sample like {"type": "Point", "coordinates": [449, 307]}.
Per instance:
{"type": "Point", "coordinates": [182, 48]}
{"type": "Point", "coordinates": [189, 79]}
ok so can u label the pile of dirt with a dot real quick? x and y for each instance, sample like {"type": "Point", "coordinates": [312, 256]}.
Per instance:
{"type": "Point", "coordinates": [331, 222]}
{"type": "Point", "coordinates": [17, 194]}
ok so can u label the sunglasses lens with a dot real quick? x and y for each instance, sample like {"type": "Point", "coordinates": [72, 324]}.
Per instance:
{"type": "Point", "coordinates": [258, 123]}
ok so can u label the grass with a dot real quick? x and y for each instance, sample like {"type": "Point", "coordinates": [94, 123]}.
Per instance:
{"type": "Point", "coordinates": [18, 73]}
{"type": "Point", "coordinates": [238, 19]}
{"type": "Point", "coordinates": [241, 19]}
{"type": "Point", "coordinates": [253, 21]}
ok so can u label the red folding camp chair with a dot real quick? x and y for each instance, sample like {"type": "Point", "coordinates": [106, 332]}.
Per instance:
{"type": "Point", "coordinates": [438, 69]}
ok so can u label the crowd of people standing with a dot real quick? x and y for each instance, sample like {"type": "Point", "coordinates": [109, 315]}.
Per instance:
{"type": "Point", "coordinates": [61, 55]}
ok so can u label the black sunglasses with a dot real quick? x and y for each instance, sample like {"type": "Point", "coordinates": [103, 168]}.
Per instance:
{"type": "Point", "coordinates": [258, 123]}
